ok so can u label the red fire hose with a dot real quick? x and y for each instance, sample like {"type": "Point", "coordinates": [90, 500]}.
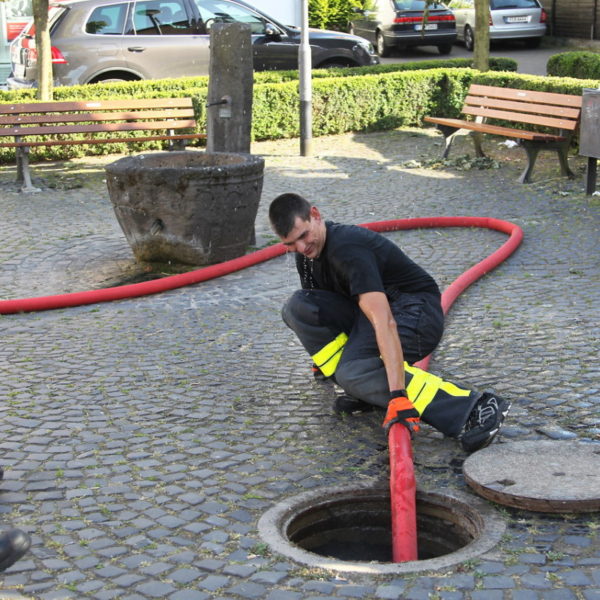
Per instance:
{"type": "Point", "coordinates": [402, 478]}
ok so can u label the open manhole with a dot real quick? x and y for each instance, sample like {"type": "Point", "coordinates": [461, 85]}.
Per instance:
{"type": "Point", "coordinates": [349, 529]}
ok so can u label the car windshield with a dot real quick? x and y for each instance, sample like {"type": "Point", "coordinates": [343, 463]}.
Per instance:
{"type": "Point", "coordinates": [504, 4]}
{"type": "Point", "coordinates": [416, 5]}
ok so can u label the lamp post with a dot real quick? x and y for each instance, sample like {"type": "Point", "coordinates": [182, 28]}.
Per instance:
{"type": "Point", "coordinates": [304, 68]}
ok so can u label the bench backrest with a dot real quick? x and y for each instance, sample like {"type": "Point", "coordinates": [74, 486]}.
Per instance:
{"type": "Point", "coordinates": [44, 118]}
{"type": "Point", "coordinates": [547, 109]}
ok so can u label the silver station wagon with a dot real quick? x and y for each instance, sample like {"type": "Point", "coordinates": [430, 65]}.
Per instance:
{"type": "Point", "coordinates": [509, 20]}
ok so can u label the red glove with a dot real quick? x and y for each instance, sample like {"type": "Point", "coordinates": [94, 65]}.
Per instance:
{"type": "Point", "coordinates": [401, 410]}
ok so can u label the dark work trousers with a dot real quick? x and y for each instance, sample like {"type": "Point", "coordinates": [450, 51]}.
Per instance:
{"type": "Point", "coordinates": [319, 316]}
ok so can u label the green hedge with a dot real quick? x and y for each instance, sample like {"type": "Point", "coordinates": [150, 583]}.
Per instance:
{"type": "Point", "coordinates": [496, 64]}
{"type": "Point", "coordinates": [581, 65]}
{"type": "Point", "coordinates": [378, 99]}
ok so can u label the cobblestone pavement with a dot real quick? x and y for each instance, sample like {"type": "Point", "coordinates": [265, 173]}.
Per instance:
{"type": "Point", "coordinates": [143, 439]}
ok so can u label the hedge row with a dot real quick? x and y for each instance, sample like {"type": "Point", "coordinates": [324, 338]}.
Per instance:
{"type": "Point", "coordinates": [496, 64]}
{"type": "Point", "coordinates": [581, 65]}
{"type": "Point", "coordinates": [374, 100]}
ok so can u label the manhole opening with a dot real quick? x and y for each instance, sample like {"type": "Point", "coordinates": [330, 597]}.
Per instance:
{"type": "Point", "coordinates": [360, 529]}
{"type": "Point", "coordinates": [342, 527]}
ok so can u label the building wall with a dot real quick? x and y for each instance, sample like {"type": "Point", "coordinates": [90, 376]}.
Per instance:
{"type": "Point", "coordinates": [574, 18]}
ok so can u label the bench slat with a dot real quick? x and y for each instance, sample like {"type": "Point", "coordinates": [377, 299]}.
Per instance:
{"type": "Point", "coordinates": [496, 129]}
{"type": "Point", "coordinates": [145, 138]}
{"type": "Point", "coordinates": [540, 109]}
{"type": "Point", "coordinates": [97, 128]}
{"type": "Point", "coordinates": [526, 95]}
{"type": "Point", "coordinates": [571, 125]}
{"type": "Point", "coordinates": [18, 120]}
{"type": "Point", "coordinates": [95, 105]}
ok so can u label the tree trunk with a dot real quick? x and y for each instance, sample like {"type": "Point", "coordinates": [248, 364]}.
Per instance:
{"type": "Point", "coordinates": [44, 52]}
{"type": "Point", "coordinates": [481, 54]}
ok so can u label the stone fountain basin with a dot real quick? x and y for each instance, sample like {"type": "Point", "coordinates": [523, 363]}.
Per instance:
{"type": "Point", "coordinates": [187, 207]}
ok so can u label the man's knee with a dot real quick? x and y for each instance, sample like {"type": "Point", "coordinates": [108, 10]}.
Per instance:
{"type": "Point", "coordinates": [299, 309]}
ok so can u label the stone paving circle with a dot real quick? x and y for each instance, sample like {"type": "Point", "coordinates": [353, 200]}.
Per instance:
{"type": "Point", "coordinates": [143, 439]}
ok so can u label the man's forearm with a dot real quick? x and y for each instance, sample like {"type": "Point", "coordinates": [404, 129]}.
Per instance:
{"type": "Point", "coordinates": [377, 309]}
{"type": "Point", "coordinates": [390, 348]}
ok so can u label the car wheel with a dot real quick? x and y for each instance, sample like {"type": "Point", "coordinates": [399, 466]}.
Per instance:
{"type": "Point", "coordinates": [382, 48]}
{"type": "Point", "coordinates": [469, 38]}
{"type": "Point", "coordinates": [533, 42]}
{"type": "Point", "coordinates": [445, 48]}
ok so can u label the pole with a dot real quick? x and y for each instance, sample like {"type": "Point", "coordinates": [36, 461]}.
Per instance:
{"type": "Point", "coordinates": [304, 68]}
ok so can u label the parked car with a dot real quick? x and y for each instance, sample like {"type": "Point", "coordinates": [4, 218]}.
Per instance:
{"type": "Point", "coordinates": [404, 23]}
{"type": "Point", "coordinates": [509, 20]}
{"type": "Point", "coordinates": [125, 40]}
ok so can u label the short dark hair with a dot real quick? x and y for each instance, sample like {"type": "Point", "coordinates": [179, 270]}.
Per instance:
{"type": "Point", "coordinates": [284, 210]}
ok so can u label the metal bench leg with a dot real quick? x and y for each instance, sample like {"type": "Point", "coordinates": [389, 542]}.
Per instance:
{"type": "Point", "coordinates": [175, 144]}
{"type": "Point", "coordinates": [532, 152]}
{"type": "Point", "coordinates": [23, 172]}
{"type": "Point", "coordinates": [563, 157]}
{"type": "Point", "coordinates": [449, 133]}
{"type": "Point", "coordinates": [477, 138]}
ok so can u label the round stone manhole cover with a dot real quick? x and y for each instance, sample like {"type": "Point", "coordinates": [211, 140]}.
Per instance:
{"type": "Point", "coordinates": [543, 476]}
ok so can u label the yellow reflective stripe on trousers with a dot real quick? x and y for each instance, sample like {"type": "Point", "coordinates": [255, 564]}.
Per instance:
{"type": "Point", "coordinates": [328, 357]}
{"type": "Point", "coordinates": [424, 386]}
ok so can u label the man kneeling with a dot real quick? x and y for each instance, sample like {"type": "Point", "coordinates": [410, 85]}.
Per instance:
{"type": "Point", "coordinates": [365, 314]}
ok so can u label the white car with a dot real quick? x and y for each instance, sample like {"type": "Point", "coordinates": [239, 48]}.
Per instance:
{"type": "Point", "coordinates": [509, 20]}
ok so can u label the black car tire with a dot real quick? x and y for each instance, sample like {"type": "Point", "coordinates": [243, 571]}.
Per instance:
{"type": "Point", "coordinates": [445, 49]}
{"type": "Point", "coordinates": [382, 48]}
{"type": "Point", "coordinates": [469, 38]}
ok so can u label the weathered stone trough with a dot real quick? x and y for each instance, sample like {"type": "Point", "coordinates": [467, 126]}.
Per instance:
{"type": "Point", "coordinates": [188, 207]}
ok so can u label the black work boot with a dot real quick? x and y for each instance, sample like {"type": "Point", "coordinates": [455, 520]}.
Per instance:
{"type": "Point", "coordinates": [318, 374]}
{"type": "Point", "coordinates": [484, 422]}
{"type": "Point", "coordinates": [13, 544]}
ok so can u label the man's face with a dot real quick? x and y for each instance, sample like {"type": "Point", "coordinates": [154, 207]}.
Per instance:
{"type": "Point", "coordinates": [307, 237]}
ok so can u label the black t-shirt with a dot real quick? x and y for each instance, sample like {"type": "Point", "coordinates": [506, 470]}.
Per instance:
{"type": "Point", "coordinates": [356, 260]}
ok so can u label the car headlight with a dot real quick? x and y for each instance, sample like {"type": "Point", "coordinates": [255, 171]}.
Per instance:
{"type": "Point", "coordinates": [366, 46]}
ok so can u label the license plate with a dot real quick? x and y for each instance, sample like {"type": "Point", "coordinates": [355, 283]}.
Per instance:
{"type": "Point", "coordinates": [517, 19]}
{"type": "Point", "coordinates": [426, 27]}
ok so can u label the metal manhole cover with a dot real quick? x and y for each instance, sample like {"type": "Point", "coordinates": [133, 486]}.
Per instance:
{"type": "Point", "coordinates": [543, 476]}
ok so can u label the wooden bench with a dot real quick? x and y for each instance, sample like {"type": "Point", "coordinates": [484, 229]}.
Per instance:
{"type": "Point", "coordinates": [557, 112]}
{"type": "Point", "coordinates": [100, 122]}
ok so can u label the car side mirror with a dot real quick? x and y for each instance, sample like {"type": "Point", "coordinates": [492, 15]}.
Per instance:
{"type": "Point", "coordinates": [272, 31]}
